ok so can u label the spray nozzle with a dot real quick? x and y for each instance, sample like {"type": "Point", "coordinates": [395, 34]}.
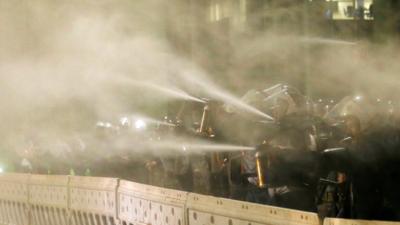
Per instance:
{"type": "Point", "coordinates": [261, 147]}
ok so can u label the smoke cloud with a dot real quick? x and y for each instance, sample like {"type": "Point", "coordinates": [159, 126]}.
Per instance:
{"type": "Point", "coordinates": [64, 65]}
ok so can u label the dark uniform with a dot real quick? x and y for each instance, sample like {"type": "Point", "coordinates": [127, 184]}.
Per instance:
{"type": "Point", "coordinates": [359, 193]}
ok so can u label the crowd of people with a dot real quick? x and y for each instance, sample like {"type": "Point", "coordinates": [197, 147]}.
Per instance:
{"type": "Point", "coordinates": [339, 159]}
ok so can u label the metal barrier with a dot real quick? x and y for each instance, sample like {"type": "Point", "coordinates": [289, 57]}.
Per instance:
{"type": "Point", "coordinates": [14, 207]}
{"type": "Point", "coordinates": [211, 210]}
{"type": "Point", "coordinates": [93, 201]}
{"type": "Point", "coordinates": [139, 203]}
{"type": "Point", "coordinates": [70, 200]}
{"type": "Point", "coordinates": [48, 200]}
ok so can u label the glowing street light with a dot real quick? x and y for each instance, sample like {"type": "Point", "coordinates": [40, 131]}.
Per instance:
{"type": "Point", "coordinates": [140, 124]}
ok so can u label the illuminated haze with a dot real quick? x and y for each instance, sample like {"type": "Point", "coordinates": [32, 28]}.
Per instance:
{"type": "Point", "coordinates": [65, 64]}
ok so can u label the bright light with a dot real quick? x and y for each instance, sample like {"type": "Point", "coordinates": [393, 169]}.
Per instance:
{"type": "Point", "coordinates": [1, 170]}
{"type": "Point", "coordinates": [124, 121]}
{"type": "Point", "coordinates": [357, 98]}
{"type": "Point", "coordinates": [140, 124]}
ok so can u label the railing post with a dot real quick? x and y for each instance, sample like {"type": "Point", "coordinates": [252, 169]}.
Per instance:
{"type": "Point", "coordinates": [117, 205]}
{"type": "Point", "coordinates": [68, 210]}
{"type": "Point", "coordinates": [28, 203]}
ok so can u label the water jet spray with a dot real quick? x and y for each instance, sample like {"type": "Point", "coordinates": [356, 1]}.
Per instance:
{"type": "Point", "coordinates": [172, 92]}
{"type": "Point", "coordinates": [226, 97]}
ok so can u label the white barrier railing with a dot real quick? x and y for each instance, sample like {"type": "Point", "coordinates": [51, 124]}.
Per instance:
{"type": "Point", "coordinates": [14, 207]}
{"type": "Point", "coordinates": [48, 200]}
{"type": "Point", "coordinates": [93, 201]}
{"type": "Point", "coordinates": [71, 200]}
{"type": "Point", "coordinates": [147, 204]}
{"type": "Point", "coordinates": [211, 210]}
